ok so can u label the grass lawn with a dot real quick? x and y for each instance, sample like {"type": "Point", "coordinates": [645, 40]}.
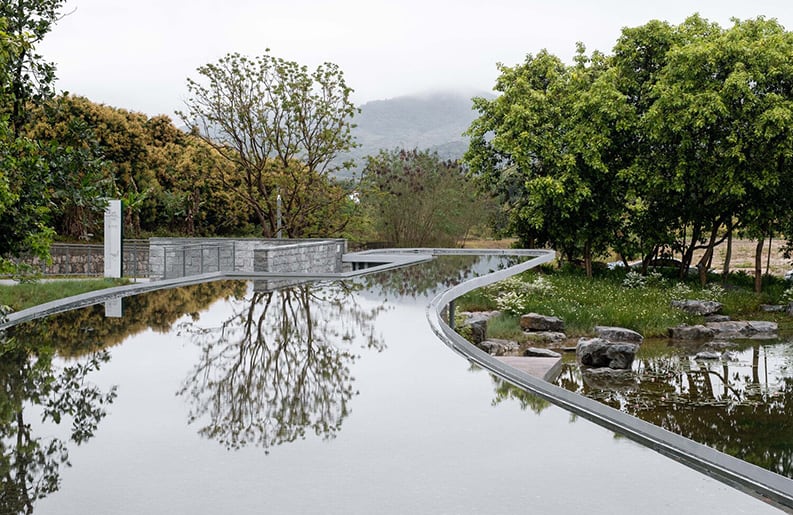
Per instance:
{"type": "Point", "coordinates": [25, 295]}
{"type": "Point", "coordinates": [614, 299]}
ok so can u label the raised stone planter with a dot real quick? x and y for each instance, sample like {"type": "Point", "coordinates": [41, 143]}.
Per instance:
{"type": "Point", "coordinates": [597, 352]}
{"type": "Point", "coordinates": [536, 322]}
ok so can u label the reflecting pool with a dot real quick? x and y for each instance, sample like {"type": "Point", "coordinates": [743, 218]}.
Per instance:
{"type": "Point", "coordinates": [736, 397]}
{"type": "Point", "coordinates": [332, 397]}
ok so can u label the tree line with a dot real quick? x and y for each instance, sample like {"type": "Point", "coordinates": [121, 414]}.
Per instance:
{"type": "Point", "coordinates": [257, 155]}
{"type": "Point", "coordinates": [674, 143]}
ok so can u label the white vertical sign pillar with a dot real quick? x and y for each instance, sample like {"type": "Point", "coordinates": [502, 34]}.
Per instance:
{"type": "Point", "coordinates": [113, 231]}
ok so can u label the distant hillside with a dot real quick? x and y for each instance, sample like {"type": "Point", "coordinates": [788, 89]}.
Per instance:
{"type": "Point", "coordinates": [434, 121]}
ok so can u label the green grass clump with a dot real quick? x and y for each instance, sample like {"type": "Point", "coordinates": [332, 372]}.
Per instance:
{"type": "Point", "coordinates": [583, 303]}
{"type": "Point", "coordinates": [505, 326]}
{"type": "Point", "coordinates": [25, 295]}
{"type": "Point", "coordinates": [612, 297]}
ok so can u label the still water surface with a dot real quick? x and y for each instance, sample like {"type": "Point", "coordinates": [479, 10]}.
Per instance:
{"type": "Point", "coordinates": [734, 396]}
{"type": "Point", "coordinates": [234, 397]}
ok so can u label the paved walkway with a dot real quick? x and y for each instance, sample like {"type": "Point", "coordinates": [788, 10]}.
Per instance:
{"type": "Point", "coordinates": [541, 368]}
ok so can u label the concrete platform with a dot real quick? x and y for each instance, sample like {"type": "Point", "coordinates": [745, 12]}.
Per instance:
{"type": "Point", "coordinates": [541, 368]}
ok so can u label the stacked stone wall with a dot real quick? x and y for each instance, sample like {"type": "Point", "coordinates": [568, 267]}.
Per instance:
{"type": "Point", "coordinates": [305, 258]}
{"type": "Point", "coordinates": [89, 259]}
{"type": "Point", "coordinates": [179, 257]}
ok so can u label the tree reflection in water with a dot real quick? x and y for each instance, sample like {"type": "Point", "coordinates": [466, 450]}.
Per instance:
{"type": "Point", "coordinates": [30, 381]}
{"type": "Point", "coordinates": [526, 400]}
{"type": "Point", "coordinates": [742, 407]}
{"type": "Point", "coordinates": [280, 366]}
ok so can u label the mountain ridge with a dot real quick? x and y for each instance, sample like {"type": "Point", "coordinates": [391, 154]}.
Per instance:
{"type": "Point", "coordinates": [434, 121]}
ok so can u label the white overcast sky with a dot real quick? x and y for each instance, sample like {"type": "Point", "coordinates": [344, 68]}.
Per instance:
{"type": "Point", "coordinates": [138, 54]}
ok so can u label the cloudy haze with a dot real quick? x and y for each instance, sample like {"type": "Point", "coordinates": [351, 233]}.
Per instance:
{"type": "Point", "coordinates": [137, 55]}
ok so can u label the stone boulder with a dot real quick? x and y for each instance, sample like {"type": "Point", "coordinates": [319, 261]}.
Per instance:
{"type": "Point", "coordinates": [498, 347]}
{"type": "Point", "coordinates": [597, 352]}
{"type": "Point", "coordinates": [541, 353]}
{"type": "Point", "coordinates": [546, 337]}
{"type": "Point", "coordinates": [717, 318]}
{"type": "Point", "coordinates": [698, 307]}
{"type": "Point", "coordinates": [773, 308]}
{"type": "Point", "coordinates": [477, 322]}
{"type": "Point", "coordinates": [691, 332]}
{"type": "Point", "coordinates": [763, 327]}
{"type": "Point", "coordinates": [536, 322]}
{"type": "Point", "coordinates": [743, 329]}
{"type": "Point", "coordinates": [618, 334]}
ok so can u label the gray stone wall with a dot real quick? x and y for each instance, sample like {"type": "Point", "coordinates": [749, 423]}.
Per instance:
{"type": "Point", "coordinates": [179, 257]}
{"type": "Point", "coordinates": [89, 259]}
{"type": "Point", "coordinates": [304, 257]}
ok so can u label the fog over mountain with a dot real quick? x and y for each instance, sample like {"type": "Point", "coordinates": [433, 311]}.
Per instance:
{"type": "Point", "coordinates": [434, 121]}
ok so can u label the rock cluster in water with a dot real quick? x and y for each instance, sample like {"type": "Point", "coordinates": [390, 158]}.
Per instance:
{"type": "Point", "coordinates": [717, 325]}
{"type": "Point", "coordinates": [599, 352]}
{"type": "Point", "coordinates": [539, 330]}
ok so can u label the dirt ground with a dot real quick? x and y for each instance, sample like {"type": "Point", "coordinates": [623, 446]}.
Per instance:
{"type": "Point", "coordinates": [743, 257]}
{"type": "Point", "coordinates": [742, 254]}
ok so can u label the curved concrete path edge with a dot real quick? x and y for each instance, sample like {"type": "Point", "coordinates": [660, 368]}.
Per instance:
{"type": "Point", "coordinates": [754, 480]}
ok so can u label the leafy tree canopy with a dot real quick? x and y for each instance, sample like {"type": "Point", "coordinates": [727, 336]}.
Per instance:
{"type": "Point", "coordinates": [279, 126]}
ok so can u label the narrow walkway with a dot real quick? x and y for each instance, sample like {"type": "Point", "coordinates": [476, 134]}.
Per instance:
{"type": "Point", "coordinates": [541, 368]}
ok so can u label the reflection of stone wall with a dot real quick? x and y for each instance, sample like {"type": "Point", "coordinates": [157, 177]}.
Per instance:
{"type": "Point", "coordinates": [179, 257]}
{"type": "Point", "coordinates": [89, 259]}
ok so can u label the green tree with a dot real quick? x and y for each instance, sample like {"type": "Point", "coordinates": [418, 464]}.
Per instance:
{"type": "Point", "coordinates": [280, 126]}
{"type": "Point", "coordinates": [157, 169]}
{"type": "Point", "coordinates": [719, 131]}
{"type": "Point", "coordinates": [43, 177]}
{"type": "Point", "coordinates": [549, 146]}
{"type": "Point", "coordinates": [27, 77]}
{"type": "Point", "coordinates": [415, 199]}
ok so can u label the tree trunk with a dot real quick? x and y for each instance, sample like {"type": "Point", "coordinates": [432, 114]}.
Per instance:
{"type": "Point", "coordinates": [588, 259]}
{"type": "Point", "coordinates": [768, 259]}
{"type": "Point", "coordinates": [688, 254]}
{"type": "Point", "coordinates": [707, 257]}
{"type": "Point", "coordinates": [649, 257]}
{"type": "Point", "coordinates": [758, 266]}
{"type": "Point", "coordinates": [726, 271]}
